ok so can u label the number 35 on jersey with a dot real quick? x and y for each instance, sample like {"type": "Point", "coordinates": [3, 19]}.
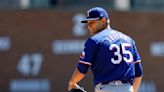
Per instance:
{"type": "Point", "coordinates": [121, 52]}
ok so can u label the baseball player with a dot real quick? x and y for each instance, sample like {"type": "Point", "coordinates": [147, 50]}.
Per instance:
{"type": "Point", "coordinates": [111, 55]}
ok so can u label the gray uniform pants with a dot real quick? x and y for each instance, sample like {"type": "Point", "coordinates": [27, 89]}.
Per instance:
{"type": "Point", "coordinates": [114, 87]}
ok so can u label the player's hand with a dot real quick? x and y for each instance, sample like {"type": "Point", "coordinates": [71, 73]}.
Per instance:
{"type": "Point", "coordinates": [71, 86]}
{"type": "Point", "coordinates": [77, 89]}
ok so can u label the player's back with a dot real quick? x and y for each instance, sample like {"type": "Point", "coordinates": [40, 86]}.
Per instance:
{"type": "Point", "coordinates": [114, 56]}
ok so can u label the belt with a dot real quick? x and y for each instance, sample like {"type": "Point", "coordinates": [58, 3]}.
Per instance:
{"type": "Point", "coordinates": [116, 82]}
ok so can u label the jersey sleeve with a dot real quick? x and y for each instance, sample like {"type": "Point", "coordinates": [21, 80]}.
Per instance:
{"type": "Point", "coordinates": [136, 55]}
{"type": "Point", "coordinates": [137, 60]}
{"type": "Point", "coordinates": [88, 54]}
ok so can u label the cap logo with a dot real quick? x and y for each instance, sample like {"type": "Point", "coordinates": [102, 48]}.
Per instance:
{"type": "Point", "coordinates": [88, 14]}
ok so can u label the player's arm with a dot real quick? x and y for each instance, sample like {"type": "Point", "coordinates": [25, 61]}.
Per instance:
{"type": "Point", "coordinates": [137, 82]}
{"type": "Point", "coordinates": [84, 63]}
{"type": "Point", "coordinates": [138, 69]}
{"type": "Point", "coordinates": [76, 77]}
{"type": "Point", "coordinates": [138, 76]}
{"type": "Point", "coordinates": [78, 74]}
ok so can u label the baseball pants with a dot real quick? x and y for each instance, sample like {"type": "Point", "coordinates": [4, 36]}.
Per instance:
{"type": "Point", "coordinates": [112, 87]}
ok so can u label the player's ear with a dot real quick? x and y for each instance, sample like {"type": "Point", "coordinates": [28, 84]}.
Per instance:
{"type": "Point", "coordinates": [104, 20]}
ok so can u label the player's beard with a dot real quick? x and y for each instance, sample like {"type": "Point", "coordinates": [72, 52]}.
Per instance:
{"type": "Point", "coordinates": [93, 29]}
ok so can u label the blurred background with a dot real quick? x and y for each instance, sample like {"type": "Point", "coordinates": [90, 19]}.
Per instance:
{"type": "Point", "coordinates": [41, 40]}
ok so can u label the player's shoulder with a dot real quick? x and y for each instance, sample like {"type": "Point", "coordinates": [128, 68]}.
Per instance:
{"type": "Point", "coordinates": [100, 35]}
{"type": "Point", "coordinates": [90, 42]}
{"type": "Point", "coordinates": [96, 38]}
{"type": "Point", "coordinates": [125, 35]}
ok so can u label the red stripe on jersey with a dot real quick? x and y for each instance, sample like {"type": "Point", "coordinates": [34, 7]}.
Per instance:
{"type": "Point", "coordinates": [83, 62]}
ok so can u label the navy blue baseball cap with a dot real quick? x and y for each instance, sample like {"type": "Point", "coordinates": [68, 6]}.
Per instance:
{"type": "Point", "coordinates": [95, 13]}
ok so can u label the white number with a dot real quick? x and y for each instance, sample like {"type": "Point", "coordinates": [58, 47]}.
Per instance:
{"type": "Point", "coordinates": [116, 53]}
{"type": "Point", "coordinates": [30, 64]}
{"type": "Point", "coordinates": [127, 52]}
{"type": "Point", "coordinates": [119, 55]}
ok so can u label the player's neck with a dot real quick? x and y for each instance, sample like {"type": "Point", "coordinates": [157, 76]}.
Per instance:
{"type": "Point", "coordinates": [108, 27]}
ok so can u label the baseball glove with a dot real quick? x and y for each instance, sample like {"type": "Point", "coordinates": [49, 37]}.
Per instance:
{"type": "Point", "coordinates": [77, 89]}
